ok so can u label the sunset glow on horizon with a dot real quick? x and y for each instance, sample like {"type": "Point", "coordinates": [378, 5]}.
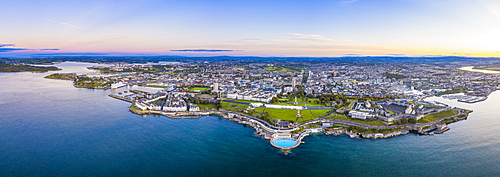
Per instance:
{"type": "Point", "coordinates": [317, 28]}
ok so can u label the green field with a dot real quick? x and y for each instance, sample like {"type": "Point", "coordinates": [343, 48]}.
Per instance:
{"type": "Point", "coordinates": [310, 102]}
{"type": "Point", "coordinates": [276, 68]}
{"type": "Point", "coordinates": [435, 116]}
{"type": "Point", "coordinates": [245, 101]}
{"type": "Point", "coordinates": [377, 122]}
{"type": "Point", "coordinates": [301, 100]}
{"type": "Point", "coordinates": [207, 106]}
{"type": "Point", "coordinates": [233, 106]}
{"type": "Point", "coordinates": [273, 114]}
{"type": "Point", "coordinates": [201, 89]}
{"type": "Point", "coordinates": [290, 114]}
{"type": "Point", "coordinates": [136, 108]}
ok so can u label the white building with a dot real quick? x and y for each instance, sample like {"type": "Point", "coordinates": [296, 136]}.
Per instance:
{"type": "Point", "coordinates": [216, 87]}
{"type": "Point", "coordinates": [360, 115]}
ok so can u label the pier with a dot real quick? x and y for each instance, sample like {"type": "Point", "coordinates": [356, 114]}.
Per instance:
{"type": "Point", "coordinates": [442, 130]}
{"type": "Point", "coordinates": [120, 98]}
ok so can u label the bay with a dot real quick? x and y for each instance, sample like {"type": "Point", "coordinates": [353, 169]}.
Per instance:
{"type": "Point", "coordinates": [50, 128]}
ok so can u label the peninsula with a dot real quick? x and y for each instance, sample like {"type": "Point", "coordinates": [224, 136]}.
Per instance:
{"type": "Point", "coordinates": [286, 100]}
{"type": "Point", "coordinates": [5, 67]}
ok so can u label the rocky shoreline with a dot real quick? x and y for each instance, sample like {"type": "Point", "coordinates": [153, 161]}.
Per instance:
{"type": "Point", "coordinates": [270, 133]}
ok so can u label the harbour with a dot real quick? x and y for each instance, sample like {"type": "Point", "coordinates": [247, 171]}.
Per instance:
{"type": "Point", "coordinates": [285, 134]}
{"type": "Point", "coordinates": [85, 126]}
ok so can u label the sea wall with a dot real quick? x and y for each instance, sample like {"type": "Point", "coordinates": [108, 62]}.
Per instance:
{"type": "Point", "coordinates": [368, 136]}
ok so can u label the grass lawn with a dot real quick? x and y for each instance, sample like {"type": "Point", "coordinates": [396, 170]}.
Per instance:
{"type": "Point", "coordinates": [207, 106]}
{"type": "Point", "coordinates": [314, 114]}
{"type": "Point", "coordinates": [161, 86]}
{"type": "Point", "coordinates": [135, 107]}
{"type": "Point", "coordinates": [233, 106]}
{"type": "Point", "coordinates": [435, 116]}
{"type": "Point", "coordinates": [246, 101]}
{"type": "Point", "coordinates": [275, 68]}
{"type": "Point", "coordinates": [290, 114]}
{"type": "Point", "coordinates": [310, 102]}
{"type": "Point", "coordinates": [300, 100]}
{"type": "Point", "coordinates": [201, 89]}
{"type": "Point", "coordinates": [377, 122]}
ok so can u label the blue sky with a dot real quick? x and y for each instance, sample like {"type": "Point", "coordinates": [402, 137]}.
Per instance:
{"type": "Point", "coordinates": [317, 28]}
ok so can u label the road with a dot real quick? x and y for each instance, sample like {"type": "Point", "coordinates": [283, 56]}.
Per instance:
{"type": "Point", "coordinates": [333, 121]}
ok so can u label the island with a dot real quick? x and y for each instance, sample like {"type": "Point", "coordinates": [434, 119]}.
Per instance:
{"type": "Point", "coordinates": [81, 81]}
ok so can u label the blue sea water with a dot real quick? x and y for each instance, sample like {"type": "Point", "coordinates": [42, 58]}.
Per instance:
{"type": "Point", "coordinates": [49, 128]}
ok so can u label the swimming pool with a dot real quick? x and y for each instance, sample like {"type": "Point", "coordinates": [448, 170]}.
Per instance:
{"type": "Point", "coordinates": [284, 143]}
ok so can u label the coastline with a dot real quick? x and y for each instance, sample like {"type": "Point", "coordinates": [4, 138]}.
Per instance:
{"type": "Point", "coordinates": [270, 132]}
{"type": "Point", "coordinates": [471, 69]}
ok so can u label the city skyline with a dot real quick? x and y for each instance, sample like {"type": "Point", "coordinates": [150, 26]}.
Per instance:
{"type": "Point", "coordinates": [323, 28]}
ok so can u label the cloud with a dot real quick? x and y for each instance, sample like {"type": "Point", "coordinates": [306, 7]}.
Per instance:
{"type": "Point", "coordinates": [7, 45]}
{"type": "Point", "coordinates": [62, 23]}
{"type": "Point", "coordinates": [70, 54]}
{"type": "Point", "coordinates": [462, 54]}
{"type": "Point", "coordinates": [397, 54]}
{"type": "Point", "coordinates": [203, 50]}
{"type": "Point", "coordinates": [348, 1]}
{"type": "Point", "coordinates": [307, 37]}
{"type": "Point", "coordinates": [11, 49]}
{"type": "Point", "coordinates": [352, 54]}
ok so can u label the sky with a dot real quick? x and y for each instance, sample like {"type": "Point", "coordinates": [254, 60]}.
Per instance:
{"type": "Point", "coordinates": [292, 28]}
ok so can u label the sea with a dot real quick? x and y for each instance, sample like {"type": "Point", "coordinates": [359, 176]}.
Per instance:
{"type": "Point", "coordinates": [50, 128]}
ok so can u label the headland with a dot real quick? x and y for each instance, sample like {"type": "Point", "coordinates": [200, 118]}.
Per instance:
{"type": "Point", "coordinates": [286, 100]}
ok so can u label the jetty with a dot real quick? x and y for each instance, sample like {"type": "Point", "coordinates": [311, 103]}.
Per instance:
{"type": "Point", "coordinates": [120, 98]}
{"type": "Point", "coordinates": [442, 130]}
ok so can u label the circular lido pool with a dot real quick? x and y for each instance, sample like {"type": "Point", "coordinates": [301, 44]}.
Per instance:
{"type": "Point", "coordinates": [284, 143]}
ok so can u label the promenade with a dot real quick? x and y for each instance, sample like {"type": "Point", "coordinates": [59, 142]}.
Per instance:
{"type": "Point", "coordinates": [272, 127]}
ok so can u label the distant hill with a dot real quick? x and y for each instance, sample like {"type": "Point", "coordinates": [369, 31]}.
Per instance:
{"type": "Point", "coordinates": [20, 68]}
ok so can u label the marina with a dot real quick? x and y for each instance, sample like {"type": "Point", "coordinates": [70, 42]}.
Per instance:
{"type": "Point", "coordinates": [465, 98]}
{"type": "Point", "coordinates": [118, 85]}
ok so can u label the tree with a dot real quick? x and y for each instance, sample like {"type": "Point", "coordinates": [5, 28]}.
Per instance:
{"type": "Point", "coordinates": [412, 121]}
{"type": "Point", "coordinates": [274, 100]}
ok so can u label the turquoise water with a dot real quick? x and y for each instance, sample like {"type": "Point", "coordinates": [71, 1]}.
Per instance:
{"type": "Point", "coordinates": [49, 128]}
{"type": "Point", "coordinates": [286, 143]}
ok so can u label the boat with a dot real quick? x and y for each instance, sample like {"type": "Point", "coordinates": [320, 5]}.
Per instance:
{"type": "Point", "coordinates": [117, 85]}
